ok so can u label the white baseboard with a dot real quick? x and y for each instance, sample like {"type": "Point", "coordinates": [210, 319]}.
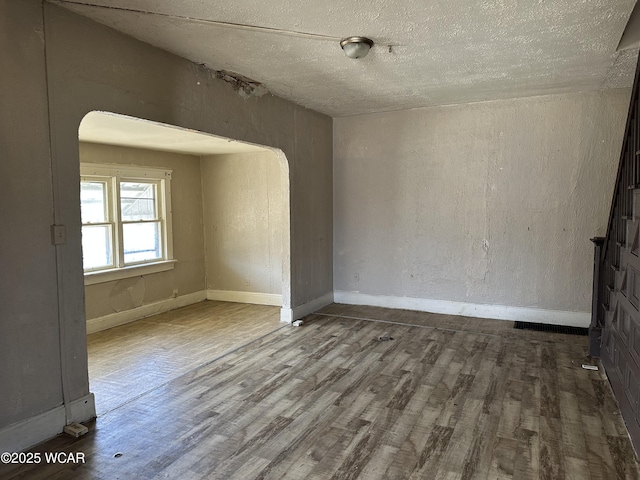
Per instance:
{"type": "Point", "coordinates": [127, 316]}
{"type": "Point", "coordinates": [289, 315]}
{"type": "Point", "coordinates": [245, 297]}
{"type": "Point", "coordinates": [286, 315]}
{"type": "Point", "coordinates": [82, 409]}
{"type": "Point", "coordinates": [497, 312]}
{"type": "Point", "coordinates": [26, 433]}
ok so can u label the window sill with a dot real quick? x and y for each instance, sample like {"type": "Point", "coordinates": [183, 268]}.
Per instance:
{"type": "Point", "coordinates": [92, 278]}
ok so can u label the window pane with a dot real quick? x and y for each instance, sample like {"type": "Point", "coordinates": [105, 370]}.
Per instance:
{"type": "Point", "coordinates": [96, 246]}
{"type": "Point", "coordinates": [141, 242]}
{"type": "Point", "coordinates": [93, 202]}
{"type": "Point", "coordinates": [138, 201]}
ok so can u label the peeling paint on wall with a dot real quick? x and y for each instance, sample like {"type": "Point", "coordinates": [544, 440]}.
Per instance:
{"type": "Point", "coordinates": [127, 294]}
{"type": "Point", "coordinates": [245, 86]}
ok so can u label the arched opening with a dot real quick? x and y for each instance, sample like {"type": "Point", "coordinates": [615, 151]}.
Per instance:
{"type": "Point", "coordinates": [172, 217]}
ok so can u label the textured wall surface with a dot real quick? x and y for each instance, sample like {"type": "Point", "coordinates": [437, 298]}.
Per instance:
{"type": "Point", "coordinates": [243, 222]}
{"type": "Point", "coordinates": [135, 79]}
{"type": "Point", "coordinates": [489, 203]}
{"type": "Point", "coordinates": [90, 67]}
{"type": "Point", "coordinates": [188, 275]}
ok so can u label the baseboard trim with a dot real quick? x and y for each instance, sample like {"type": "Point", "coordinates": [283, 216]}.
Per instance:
{"type": "Point", "coordinates": [120, 318]}
{"type": "Point", "coordinates": [82, 409]}
{"type": "Point", "coordinates": [286, 315]}
{"type": "Point", "coordinates": [273, 299]}
{"type": "Point", "coordinates": [305, 309]}
{"type": "Point", "coordinates": [496, 312]}
{"type": "Point", "coordinates": [27, 433]}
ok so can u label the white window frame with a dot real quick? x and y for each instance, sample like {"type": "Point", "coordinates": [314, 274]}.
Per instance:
{"type": "Point", "coordinates": [114, 174]}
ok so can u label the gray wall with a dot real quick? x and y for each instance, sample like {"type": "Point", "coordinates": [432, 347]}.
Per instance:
{"type": "Point", "coordinates": [90, 67]}
{"type": "Point", "coordinates": [489, 203]}
{"type": "Point", "coordinates": [243, 221]}
{"type": "Point", "coordinates": [29, 329]}
{"type": "Point", "coordinates": [188, 275]}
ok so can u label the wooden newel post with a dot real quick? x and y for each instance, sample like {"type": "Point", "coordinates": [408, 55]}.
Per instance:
{"type": "Point", "coordinates": [595, 328]}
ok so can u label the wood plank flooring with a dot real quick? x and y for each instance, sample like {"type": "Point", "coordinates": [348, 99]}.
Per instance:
{"type": "Point", "coordinates": [447, 398]}
{"type": "Point", "coordinates": [129, 360]}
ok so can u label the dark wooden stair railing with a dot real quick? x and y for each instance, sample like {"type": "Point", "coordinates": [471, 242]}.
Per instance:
{"type": "Point", "coordinates": [614, 333]}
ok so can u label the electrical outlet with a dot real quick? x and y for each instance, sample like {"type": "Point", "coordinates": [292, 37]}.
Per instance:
{"type": "Point", "coordinates": [58, 235]}
{"type": "Point", "coordinates": [356, 277]}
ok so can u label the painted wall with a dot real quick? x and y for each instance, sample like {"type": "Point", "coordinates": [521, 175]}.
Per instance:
{"type": "Point", "coordinates": [188, 275]}
{"type": "Point", "coordinates": [489, 203]}
{"type": "Point", "coordinates": [29, 307]}
{"type": "Point", "coordinates": [243, 222]}
{"type": "Point", "coordinates": [135, 79]}
{"type": "Point", "coordinates": [90, 67]}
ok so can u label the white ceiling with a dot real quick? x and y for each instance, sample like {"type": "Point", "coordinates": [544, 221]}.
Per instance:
{"type": "Point", "coordinates": [114, 129]}
{"type": "Point", "coordinates": [443, 51]}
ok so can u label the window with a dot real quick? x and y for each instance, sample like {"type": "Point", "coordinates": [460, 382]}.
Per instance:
{"type": "Point", "coordinates": [126, 221]}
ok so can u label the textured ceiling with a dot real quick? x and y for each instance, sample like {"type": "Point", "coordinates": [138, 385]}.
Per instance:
{"type": "Point", "coordinates": [442, 51]}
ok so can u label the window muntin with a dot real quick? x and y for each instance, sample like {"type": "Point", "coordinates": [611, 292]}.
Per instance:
{"type": "Point", "coordinates": [126, 216]}
{"type": "Point", "coordinates": [138, 201]}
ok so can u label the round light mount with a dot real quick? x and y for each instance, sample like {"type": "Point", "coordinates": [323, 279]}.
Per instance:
{"type": "Point", "coordinates": [356, 47]}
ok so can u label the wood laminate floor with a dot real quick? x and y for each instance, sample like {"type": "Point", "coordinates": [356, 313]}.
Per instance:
{"type": "Point", "coordinates": [128, 361]}
{"type": "Point", "coordinates": [447, 398]}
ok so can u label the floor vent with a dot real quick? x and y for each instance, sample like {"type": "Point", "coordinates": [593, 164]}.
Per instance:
{"type": "Point", "coordinates": [545, 327]}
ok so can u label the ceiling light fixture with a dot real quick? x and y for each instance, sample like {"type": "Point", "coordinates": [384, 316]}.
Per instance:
{"type": "Point", "coordinates": [356, 47]}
